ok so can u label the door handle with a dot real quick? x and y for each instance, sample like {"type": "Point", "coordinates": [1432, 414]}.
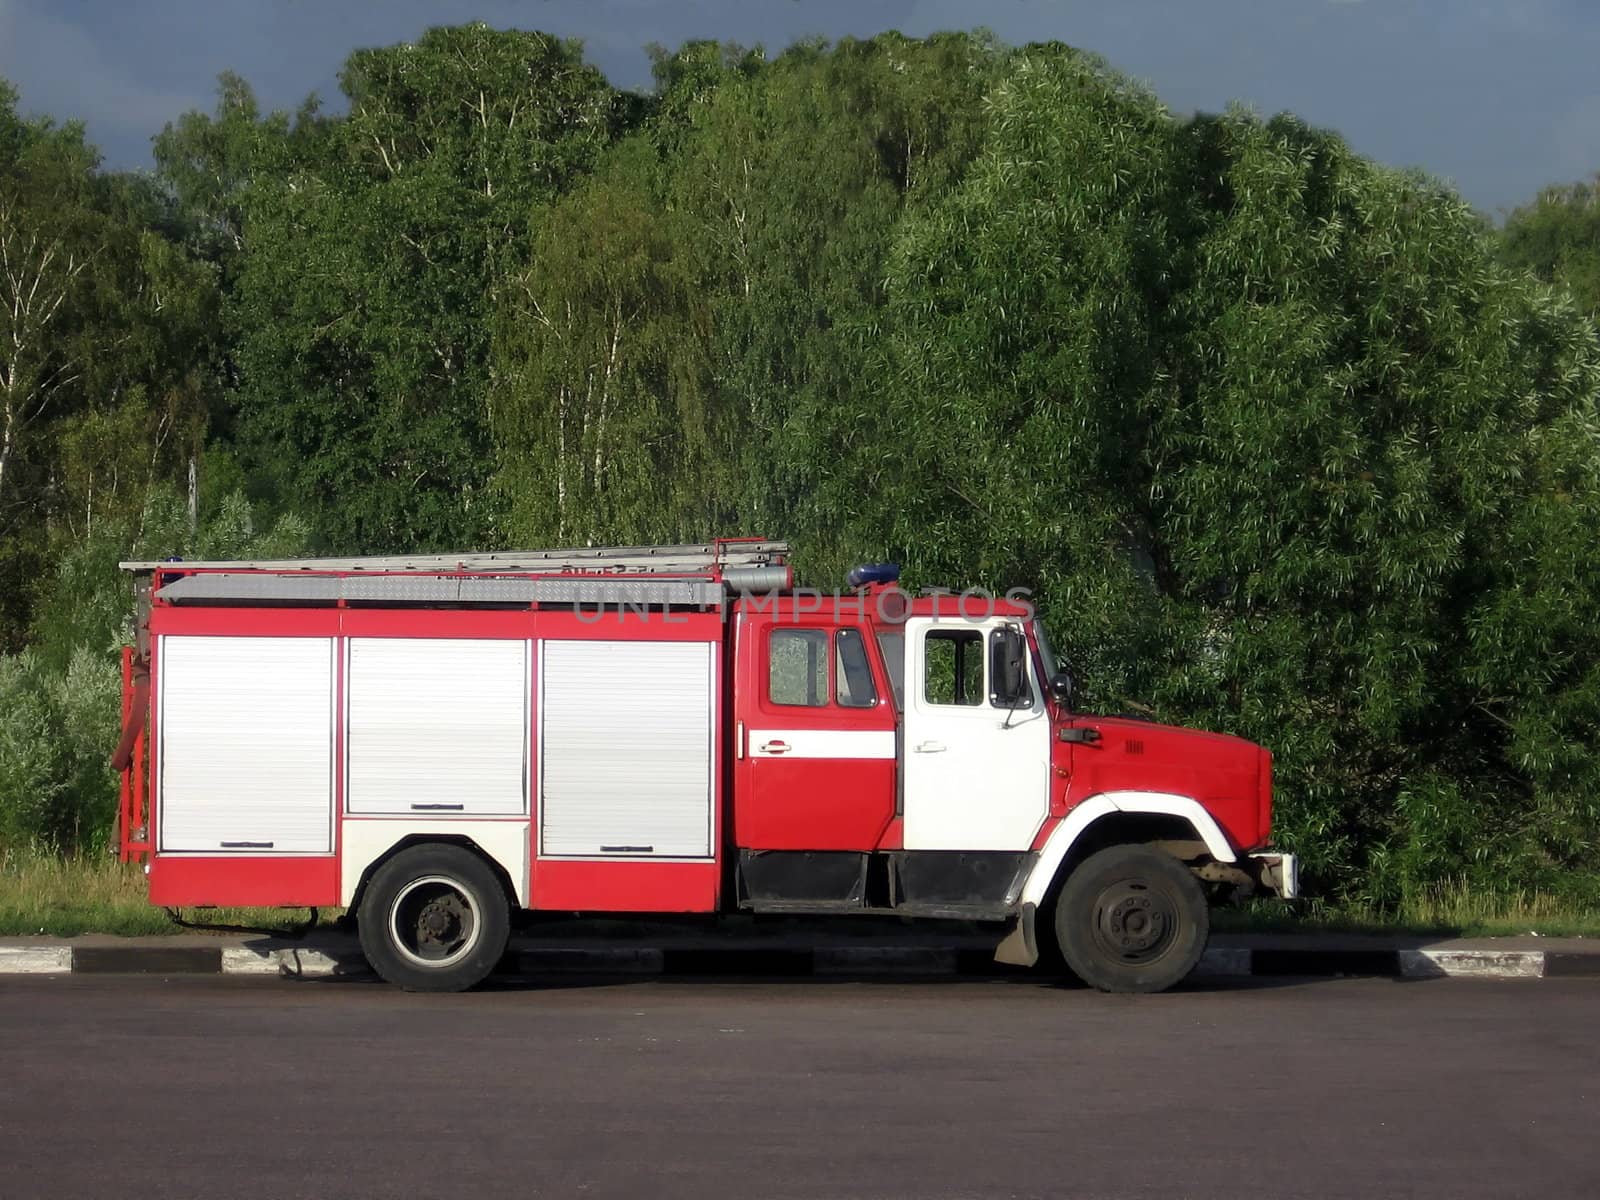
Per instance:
{"type": "Point", "coordinates": [775, 747]}
{"type": "Point", "coordinates": [930, 747]}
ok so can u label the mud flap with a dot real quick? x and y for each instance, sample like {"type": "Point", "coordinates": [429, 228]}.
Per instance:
{"type": "Point", "coordinates": [1019, 947]}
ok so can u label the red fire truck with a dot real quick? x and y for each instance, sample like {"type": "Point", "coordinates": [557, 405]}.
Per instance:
{"type": "Point", "coordinates": [439, 743]}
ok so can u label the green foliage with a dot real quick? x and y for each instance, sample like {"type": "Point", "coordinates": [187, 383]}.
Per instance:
{"type": "Point", "coordinates": [792, 183]}
{"type": "Point", "coordinates": [1365, 412]}
{"type": "Point", "coordinates": [106, 329]}
{"type": "Point", "coordinates": [60, 699]}
{"type": "Point", "coordinates": [1018, 394]}
{"type": "Point", "coordinates": [373, 248]}
{"type": "Point", "coordinates": [1557, 238]}
{"type": "Point", "coordinates": [57, 789]}
{"type": "Point", "coordinates": [1287, 443]}
{"type": "Point", "coordinates": [605, 418]}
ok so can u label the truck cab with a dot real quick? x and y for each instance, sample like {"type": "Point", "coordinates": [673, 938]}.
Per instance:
{"type": "Point", "coordinates": [922, 756]}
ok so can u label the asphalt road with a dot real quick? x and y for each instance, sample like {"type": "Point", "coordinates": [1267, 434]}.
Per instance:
{"type": "Point", "coordinates": [240, 1088]}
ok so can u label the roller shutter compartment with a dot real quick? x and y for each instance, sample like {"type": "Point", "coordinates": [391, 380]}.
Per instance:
{"type": "Point", "coordinates": [625, 749]}
{"type": "Point", "coordinates": [246, 744]}
{"type": "Point", "coordinates": [438, 726]}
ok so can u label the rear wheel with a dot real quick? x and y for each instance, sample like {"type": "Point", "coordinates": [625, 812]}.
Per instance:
{"type": "Point", "coordinates": [1131, 919]}
{"type": "Point", "coordinates": [434, 919]}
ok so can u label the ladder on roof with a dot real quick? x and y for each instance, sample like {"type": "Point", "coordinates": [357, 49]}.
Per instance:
{"type": "Point", "coordinates": [692, 576]}
{"type": "Point", "coordinates": [703, 559]}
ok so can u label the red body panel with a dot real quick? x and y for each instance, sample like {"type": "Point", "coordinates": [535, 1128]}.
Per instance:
{"type": "Point", "coordinates": [634, 885]}
{"type": "Point", "coordinates": [567, 885]}
{"type": "Point", "coordinates": [1223, 773]}
{"type": "Point", "coordinates": [434, 623]}
{"type": "Point", "coordinates": [809, 803]}
{"type": "Point", "coordinates": [815, 804]}
{"type": "Point", "coordinates": [627, 625]}
{"type": "Point", "coordinates": [181, 880]}
{"type": "Point", "coordinates": [133, 828]}
{"type": "Point", "coordinates": [245, 622]}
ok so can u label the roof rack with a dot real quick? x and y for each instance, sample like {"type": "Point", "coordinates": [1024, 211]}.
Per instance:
{"type": "Point", "coordinates": [703, 559]}
{"type": "Point", "coordinates": [692, 575]}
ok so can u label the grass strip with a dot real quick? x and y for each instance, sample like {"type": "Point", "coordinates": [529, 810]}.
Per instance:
{"type": "Point", "coordinates": [63, 897]}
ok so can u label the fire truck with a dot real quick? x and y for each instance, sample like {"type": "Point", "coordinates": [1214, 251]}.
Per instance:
{"type": "Point", "coordinates": [442, 744]}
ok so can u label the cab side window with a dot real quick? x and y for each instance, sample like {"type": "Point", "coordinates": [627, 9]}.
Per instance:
{"type": "Point", "coordinates": [797, 667]}
{"type": "Point", "coordinates": [853, 677]}
{"type": "Point", "coordinates": [953, 667]}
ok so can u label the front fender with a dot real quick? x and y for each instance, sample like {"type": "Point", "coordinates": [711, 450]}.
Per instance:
{"type": "Point", "coordinates": [1085, 814]}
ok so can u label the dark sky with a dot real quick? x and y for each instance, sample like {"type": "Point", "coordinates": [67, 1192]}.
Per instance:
{"type": "Point", "coordinates": [1498, 96]}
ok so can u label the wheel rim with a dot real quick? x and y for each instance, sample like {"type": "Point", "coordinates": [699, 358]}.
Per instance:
{"type": "Point", "coordinates": [1135, 922]}
{"type": "Point", "coordinates": [433, 922]}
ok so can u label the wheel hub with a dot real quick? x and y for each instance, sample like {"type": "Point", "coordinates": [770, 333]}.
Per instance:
{"type": "Point", "coordinates": [1133, 921]}
{"type": "Point", "coordinates": [433, 922]}
{"type": "Point", "coordinates": [439, 922]}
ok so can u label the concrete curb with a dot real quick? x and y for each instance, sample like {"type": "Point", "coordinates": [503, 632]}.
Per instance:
{"type": "Point", "coordinates": [329, 957]}
{"type": "Point", "coordinates": [35, 960]}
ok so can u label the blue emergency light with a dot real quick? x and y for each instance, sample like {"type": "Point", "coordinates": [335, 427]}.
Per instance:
{"type": "Point", "coordinates": [872, 573]}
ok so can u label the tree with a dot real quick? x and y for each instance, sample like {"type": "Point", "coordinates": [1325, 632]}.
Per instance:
{"type": "Point", "coordinates": [791, 182]}
{"type": "Point", "coordinates": [1364, 412]}
{"type": "Point", "coordinates": [1020, 364]}
{"type": "Point", "coordinates": [1557, 238]}
{"type": "Point", "coordinates": [360, 316]}
{"type": "Point", "coordinates": [47, 240]}
{"type": "Point", "coordinates": [103, 320]}
{"type": "Point", "coordinates": [606, 423]}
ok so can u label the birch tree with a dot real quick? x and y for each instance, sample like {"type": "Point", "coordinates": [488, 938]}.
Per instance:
{"type": "Point", "coordinates": [362, 309]}
{"type": "Point", "coordinates": [38, 275]}
{"type": "Point", "coordinates": [606, 425]}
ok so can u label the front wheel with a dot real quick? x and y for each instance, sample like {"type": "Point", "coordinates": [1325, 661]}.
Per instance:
{"type": "Point", "coordinates": [434, 919]}
{"type": "Point", "coordinates": [1131, 919]}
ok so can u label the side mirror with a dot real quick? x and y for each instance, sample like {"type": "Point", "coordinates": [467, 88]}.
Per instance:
{"type": "Point", "coordinates": [1063, 688]}
{"type": "Point", "coordinates": [1008, 669]}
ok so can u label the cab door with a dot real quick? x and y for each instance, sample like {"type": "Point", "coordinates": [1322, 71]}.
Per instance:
{"type": "Point", "coordinates": [815, 735]}
{"type": "Point", "coordinates": [977, 772]}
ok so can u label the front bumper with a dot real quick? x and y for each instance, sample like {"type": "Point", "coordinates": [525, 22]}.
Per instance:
{"type": "Point", "coordinates": [1277, 873]}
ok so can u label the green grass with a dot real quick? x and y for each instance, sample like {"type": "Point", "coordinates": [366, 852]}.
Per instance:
{"type": "Point", "coordinates": [1453, 910]}
{"type": "Point", "coordinates": [42, 894]}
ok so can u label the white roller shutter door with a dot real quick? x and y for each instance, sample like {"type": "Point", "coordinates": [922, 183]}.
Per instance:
{"type": "Point", "coordinates": [246, 730]}
{"type": "Point", "coordinates": [625, 748]}
{"type": "Point", "coordinates": [438, 726]}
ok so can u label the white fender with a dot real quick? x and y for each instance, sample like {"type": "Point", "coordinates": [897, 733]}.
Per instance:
{"type": "Point", "coordinates": [1165, 804]}
{"type": "Point", "coordinates": [364, 842]}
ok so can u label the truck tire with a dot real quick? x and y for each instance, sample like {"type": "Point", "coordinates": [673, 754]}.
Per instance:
{"type": "Point", "coordinates": [1131, 919]}
{"type": "Point", "coordinates": [434, 919]}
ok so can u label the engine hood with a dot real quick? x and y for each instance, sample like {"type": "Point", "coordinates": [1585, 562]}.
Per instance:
{"type": "Point", "coordinates": [1229, 776]}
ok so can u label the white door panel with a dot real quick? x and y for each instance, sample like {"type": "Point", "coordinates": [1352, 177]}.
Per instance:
{"type": "Point", "coordinates": [625, 748]}
{"type": "Point", "coordinates": [438, 725]}
{"type": "Point", "coordinates": [246, 730]}
{"type": "Point", "coordinates": [976, 777]}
